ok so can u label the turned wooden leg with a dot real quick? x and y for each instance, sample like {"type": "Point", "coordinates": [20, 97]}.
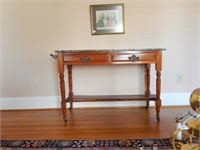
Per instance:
{"type": "Point", "coordinates": [158, 100]}
{"type": "Point", "coordinates": [63, 102]}
{"type": "Point", "coordinates": [147, 80]}
{"type": "Point", "coordinates": [158, 105]}
{"type": "Point", "coordinates": [70, 94]}
{"type": "Point", "coordinates": [62, 85]}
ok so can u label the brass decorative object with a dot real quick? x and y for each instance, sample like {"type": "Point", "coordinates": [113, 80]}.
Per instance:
{"type": "Point", "coordinates": [195, 100]}
{"type": "Point", "coordinates": [193, 126]}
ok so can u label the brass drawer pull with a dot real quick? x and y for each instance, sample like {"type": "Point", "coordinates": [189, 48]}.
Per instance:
{"type": "Point", "coordinates": [133, 58]}
{"type": "Point", "coordinates": [85, 59]}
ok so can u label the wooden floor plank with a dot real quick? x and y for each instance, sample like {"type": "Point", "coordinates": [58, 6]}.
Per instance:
{"type": "Point", "coordinates": [89, 123]}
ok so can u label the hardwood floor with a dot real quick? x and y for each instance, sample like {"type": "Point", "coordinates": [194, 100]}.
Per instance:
{"type": "Point", "coordinates": [89, 123]}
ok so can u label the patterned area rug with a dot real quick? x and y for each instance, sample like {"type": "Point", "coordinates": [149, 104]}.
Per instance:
{"type": "Point", "coordinates": [118, 144]}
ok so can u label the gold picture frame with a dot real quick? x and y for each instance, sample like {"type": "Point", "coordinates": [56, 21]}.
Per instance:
{"type": "Point", "coordinates": [107, 19]}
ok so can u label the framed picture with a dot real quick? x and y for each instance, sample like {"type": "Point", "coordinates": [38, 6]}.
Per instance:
{"type": "Point", "coordinates": [107, 19]}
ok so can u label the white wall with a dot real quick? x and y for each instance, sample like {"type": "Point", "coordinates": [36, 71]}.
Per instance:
{"type": "Point", "coordinates": [32, 29]}
{"type": "Point", "coordinates": [198, 41]}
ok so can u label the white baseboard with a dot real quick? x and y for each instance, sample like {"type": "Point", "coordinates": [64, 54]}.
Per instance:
{"type": "Point", "coordinates": [168, 99]}
{"type": "Point", "coordinates": [29, 103]}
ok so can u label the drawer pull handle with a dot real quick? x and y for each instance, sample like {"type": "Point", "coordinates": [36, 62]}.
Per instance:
{"type": "Point", "coordinates": [133, 58]}
{"type": "Point", "coordinates": [85, 59]}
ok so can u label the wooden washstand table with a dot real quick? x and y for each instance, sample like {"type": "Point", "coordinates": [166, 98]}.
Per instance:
{"type": "Point", "coordinates": [144, 57]}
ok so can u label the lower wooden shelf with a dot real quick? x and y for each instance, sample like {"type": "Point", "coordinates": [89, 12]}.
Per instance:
{"type": "Point", "coordinates": [89, 98]}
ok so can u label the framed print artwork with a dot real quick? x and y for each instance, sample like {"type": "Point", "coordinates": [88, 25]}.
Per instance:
{"type": "Point", "coordinates": [107, 19]}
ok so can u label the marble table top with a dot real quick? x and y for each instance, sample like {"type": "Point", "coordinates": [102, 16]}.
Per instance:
{"type": "Point", "coordinates": [110, 50]}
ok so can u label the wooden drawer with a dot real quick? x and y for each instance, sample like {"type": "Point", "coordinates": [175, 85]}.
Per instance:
{"type": "Point", "coordinates": [133, 57]}
{"type": "Point", "coordinates": [86, 58]}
